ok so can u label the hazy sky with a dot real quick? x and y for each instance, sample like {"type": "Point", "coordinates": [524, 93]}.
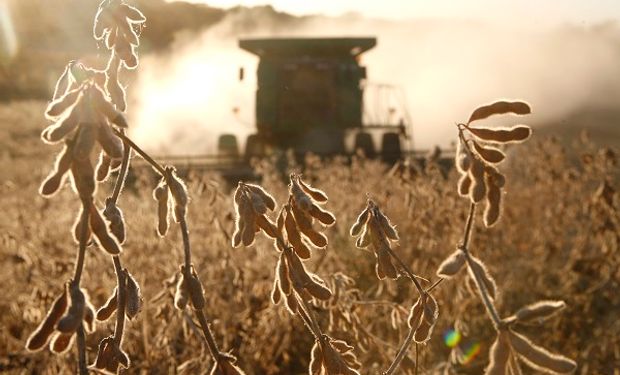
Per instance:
{"type": "Point", "coordinates": [528, 12]}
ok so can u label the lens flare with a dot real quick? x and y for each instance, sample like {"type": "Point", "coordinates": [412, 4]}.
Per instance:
{"type": "Point", "coordinates": [451, 338]}
{"type": "Point", "coordinates": [8, 37]}
{"type": "Point", "coordinates": [470, 351]}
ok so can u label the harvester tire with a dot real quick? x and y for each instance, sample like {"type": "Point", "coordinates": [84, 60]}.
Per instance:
{"type": "Point", "coordinates": [363, 141]}
{"type": "Point", "coordinates": [390, 148]}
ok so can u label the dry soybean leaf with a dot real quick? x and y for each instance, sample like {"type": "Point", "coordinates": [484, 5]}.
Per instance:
{"type": "Point", "coordinates": [291, 303]}
{"type": "Point", "coordinates": [128, 32]}
{"type": "Point", "coordinates": [464, 185]}
{"type": "Point", "coordinates": [122, 358]}
{"type": "Point", "coordinates": [360, 223]}
{"type": "Point", "coordinates": [385, 225]}
{"type": "Point", "coordinates": [62, 85]}
{"type": "Point", "coordinates": [267, 226]}
{"type": "Point", "coordinates": [294, 237]}
{"type": "Point", "coordinates": [61, 342]}
{"type": "Point", "coordinates": [114, 215]}
{"type": "Point", "coordinates": [498, 108]}
{"type": "Point", "coordinates": [431, 310]}
{"type": "Point", "coordinates": [133, 14]}
{"type": "Point", "coordinates": [315, 194]}
{"type": "Point", "coordinates": [481, 270]}
{"type": "Point", "coordinates": [77, 229]}
{"type": "Point", "coordinates": [478, 187]}
{"type": "Point", "coordinates": [83, 177]}
{"type": "Point", "coordinates": [65, 125]}
{"type": "Point", "coordinates": [258, 204]}
{"type": "Point", "coordinates": [493, 207]}
{"type": "Point", "coordinates": [280, 220]}
{"type": "Point", "coordinates": [89, 318]}
{"type": "Point", "coordinates": [452, 264]}
{"type": "Point", "coordinates": [248, 233]}
{"type": "Point", "coordinates": [302, 218]}
{"type": "Point", "coordinates": [490, 154]}
{"type": "Point", "coordinates": [178, 190]}
{"type": "Point", "coordinates": [316, 359]}
{"type": "Point", "coordinates": [108, 308]}
{"type": "Point", "coordinates": [266, 197]}
{"type": "Point", "coordinates": [110, 142]}
{"type": "Point", "coordinates": [276, 293]}
{"type": "Point", "coordinates": [102, 24]}
{"type": "Point", "coordinates": [423, 332]}
{"type": "Point", "coordinates": [317, 288]}
{"type": "Point", "coordinates": [463, 158]}
{"type": "Point", "coordinates": [539, 311]}
{"type": "Point", "coordinates": [117, 92]}
{"type": "Point", "coordinates": [160, 194]}
{"type": "Point", "coordinates": [302, 199]}
{"type": "Point", "coordinates": [134, 296]}
{"type": "Point", "coordinates": [385, 267]}
{"type": "Point", "coordinates": [72, 319]}
{"type": "Point", "coordinates": [60, 105]}
{"type": "Point", "coordinates": [316, 238]}
{"type": "Point", "coordinates": [515, 134]}
{"type": "Point", "coordinates": [236, 237]}
{"type": "Point", "coordinates": [103, 353]}
{"type": "Point", "coordinates": [415, 314]}
{"type": "Point", "coordinates": [38, 339]}
{"type": "Point", "coordinates": [181, 295]}
{"type": "Point", "coordinates": [540, 358]}
{"type": "Point", "coordinates": [283, 276]}
{"type": "Point", "coordinates": [499, 355]}
{"type": "Point", "coordinates": [52, 183]}
{"type": "Point", "coordinates": [196, 291]}
{"type": "Point", "coordinates": [100, 230]}
{"type": "Point", "coordinates": [325, 217]}
{"type": "Point", "coordinates": [102, 170]}
{"type": "Point", "coordinates": [364, 239]}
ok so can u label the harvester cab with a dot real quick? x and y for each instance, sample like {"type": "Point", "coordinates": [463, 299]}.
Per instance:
{"type": "Point", "coordinates": [310, 98]}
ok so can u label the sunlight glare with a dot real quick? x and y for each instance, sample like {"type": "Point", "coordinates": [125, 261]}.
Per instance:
{"type": "Point", "coordinates": [8, 37]}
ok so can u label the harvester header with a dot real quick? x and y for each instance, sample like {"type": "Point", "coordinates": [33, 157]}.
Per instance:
{"type": "Point", "coordinates": [299, 47]}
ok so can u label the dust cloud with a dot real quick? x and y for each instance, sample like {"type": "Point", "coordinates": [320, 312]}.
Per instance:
{"type": "Point", "coordinates": [441, 68]}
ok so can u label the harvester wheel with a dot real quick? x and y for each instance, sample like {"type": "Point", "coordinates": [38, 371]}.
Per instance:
{"type": "Point", "coordinates": [363, 141]}
{"type": "Point", "coordinates": [254, 147]}
{"type": "Point", "coordinates": [227, 145]}
{"type": "Point", "coordinates": [390, 147]}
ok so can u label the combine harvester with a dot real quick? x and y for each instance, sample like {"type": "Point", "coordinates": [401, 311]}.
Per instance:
{"type": "Point", "coordinates": [310, 98]}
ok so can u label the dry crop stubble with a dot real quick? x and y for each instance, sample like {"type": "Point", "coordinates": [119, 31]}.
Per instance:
{"type": "Point", "coordinates": [570, 254]}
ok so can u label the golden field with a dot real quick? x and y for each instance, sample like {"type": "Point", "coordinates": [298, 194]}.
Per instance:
{"type": "Point", "coordinates": [558, 239]}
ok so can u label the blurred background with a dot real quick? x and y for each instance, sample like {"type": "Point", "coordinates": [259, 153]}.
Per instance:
{"type": "Point", "coordinates": [444, 58]}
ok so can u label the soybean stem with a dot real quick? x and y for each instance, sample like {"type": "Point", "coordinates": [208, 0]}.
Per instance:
{"type": "Point", "coordinates": [484, 293]}
{"type": "Point", "coordinates": [313, 325]}
{"type": "Point", "coordinates": [408, 272]}
{"type": "Point", "coordinates": [401, 352]}
{"type": "Point", "coordinates": [81, 347]}
{"type": "Point", "coordinates": [140, 152]}
{"type": "Point", "coordinates": [410, 335]}
{"type": "Point", "coordinates": [122, 174]}
{"type": "Point", "coordinates": [121, 278]}
{"type": "Point", "coordinates": [202, 319]}
{"type": "Point", "coordinates": [208, 335]}
{"type": "Point", "coordinates": [79, 263]}
{"type": "Point", "coordinates": [186, 244]}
